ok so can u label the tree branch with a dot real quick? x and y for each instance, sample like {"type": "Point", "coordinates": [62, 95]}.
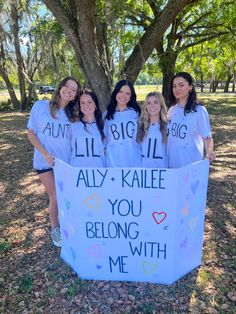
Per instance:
{"type": "Point", "coordinates": [152, 35]}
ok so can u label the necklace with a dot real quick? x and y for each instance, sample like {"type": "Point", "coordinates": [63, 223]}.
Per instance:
{"type": "Point", "coordinates": [121, 109]}
{"type": "Point", "coordinates": [89, 122]}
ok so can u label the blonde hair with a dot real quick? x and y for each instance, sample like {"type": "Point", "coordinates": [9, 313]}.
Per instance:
{"type": "Point", "coordinates": [144, 122]}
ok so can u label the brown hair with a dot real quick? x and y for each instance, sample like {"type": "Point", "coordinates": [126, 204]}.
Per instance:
{"type": "Point", "coordinates": [97, 113]}
{"type": "Point", "coordinates": [70, 108]}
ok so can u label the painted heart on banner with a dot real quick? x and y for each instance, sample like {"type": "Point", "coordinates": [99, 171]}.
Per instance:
{"type": "Point", "coordinates": [68, 204]}
{"type": "Point", "coordinates": [95, 250]}
{"type": "Point", "coordinates": [60, 185]}
{"type": "Point", "coordinates": [183, 244]}
{"type": "Point", "coordinates": [185, 210]}
{"type": "Point", "coordinates": [99, 266]}
{"type": "Point", "coordinates": [194, 186]}
{"type": "Point", "coordinates": [193, 223]}
{"type": "Point", "coordinates": [62, 213]}
{"type": "Point", "coordinates": [65, 233]}
{"type": "Point", "coordinates": [149, 268]}
{"type": "Point", "coordinates": [159, 217]}
{"type": "Point", "coordinates": [93, 202]}
{"type": "Point", "coordinates": [71, 228]}
{"type": "Point", "coordinates": [186, 178]}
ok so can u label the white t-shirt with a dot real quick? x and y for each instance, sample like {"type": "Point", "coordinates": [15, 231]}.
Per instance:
{"type": "Point", "coordinates": [122, 150]}
{"type": "Point", "coordinates": [86, 146]}
{"type": "Point", "coordinates": [154, 152]}
{"type": "Point", "coordinates": [185, 135]}
{"type": "Point", "coordinates": [52, 133]}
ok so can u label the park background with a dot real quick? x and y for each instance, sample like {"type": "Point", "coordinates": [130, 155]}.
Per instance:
{"type": "Point", "coordinates": [100, 42]}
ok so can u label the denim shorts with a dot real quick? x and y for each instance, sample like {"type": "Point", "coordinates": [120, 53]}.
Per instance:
{"type": "Point", "coordinates": [42, 170]}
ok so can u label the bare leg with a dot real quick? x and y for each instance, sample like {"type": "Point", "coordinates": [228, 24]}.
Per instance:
{"type": "Point", "coordinates": [48, 182]}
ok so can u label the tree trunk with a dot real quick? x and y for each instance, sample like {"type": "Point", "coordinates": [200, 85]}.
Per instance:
{"type": "Point", "coordinates": [215, 85]}
{"type": "Point", "coordinates": [54, 62]}
{"type": "Point", "coordinates": [229, 78]}
{"type": "Point", "coordinates": [233, 87]}
{"type": "Point", "coordinates": [84, 29]}
{"type": "Point", "coordinates": [151, 37]}
{"type": "Point", "coordinates": [10, 88]}
{"type": "Point", "coordinates": [19, 59]}
{"type": "Point", "coordinates": [167, 64]}
{"type": "Point", "coordinates": [202, 83]}
{"type": "Point", "coordinates": [31, 94]}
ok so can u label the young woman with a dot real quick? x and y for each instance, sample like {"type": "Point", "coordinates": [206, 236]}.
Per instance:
{"type": "Point", "coordinates": [152, 133]}
{"type": "Point", "coordinates": [189, 132]}
{"type": "Point", "coordinates": [86, 136]}
{"type": "Point", "coordinates": [48, 130]}
{"type": "Point", "coordinates": [121, 117]}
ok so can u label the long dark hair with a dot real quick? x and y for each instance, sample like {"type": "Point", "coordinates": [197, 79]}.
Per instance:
{"type": "Point", "coordinates": [97, 113]}
{"type": "Point", "coordinates": [111, 108]}
{"type": "Point", "coordinates": [70, 108]}
{"type": "Point", "coordinates": [192, 101]}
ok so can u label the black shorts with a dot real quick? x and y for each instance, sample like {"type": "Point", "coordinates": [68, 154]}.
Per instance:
{"type": "Point", "coordinates": [42, 170]}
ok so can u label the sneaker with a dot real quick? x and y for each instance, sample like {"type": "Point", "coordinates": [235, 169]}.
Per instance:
{"type": "Point", "coordinates": [56, 236]}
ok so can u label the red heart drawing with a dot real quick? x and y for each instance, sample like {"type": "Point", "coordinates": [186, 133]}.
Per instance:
{"type": "Point", "coordinates": [159, 217]}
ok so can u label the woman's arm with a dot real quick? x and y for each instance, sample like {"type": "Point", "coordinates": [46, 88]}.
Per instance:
{"type": "Point", "coordinates": [209, 147]}
{"type": "Point", "coordinates": [36, 143]}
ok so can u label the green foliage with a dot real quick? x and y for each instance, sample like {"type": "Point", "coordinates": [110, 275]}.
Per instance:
{"type": "Point", "coordinates": [51, 292]}
{"type": "Point", "coordinates": [215, 59]}
{"type": "Point", "coordinates": [77, 286]}
{"type": "Point", "coordinates": [146, 308]}
{"type": "Point", "coordinates": [204, 277]}
{"type": "Point", "coordinates": [124, 22]}
{"type": "Point", "coordinates": [6, 105]}
{"type": "Point", "coordinates": [146, 79]}
{"type": "Point", "coordinates": [26, 283]}
{"type": "Point", "coordinates": [4, 246]}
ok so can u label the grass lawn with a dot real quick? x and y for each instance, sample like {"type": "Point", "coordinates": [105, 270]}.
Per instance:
{"type": "Point", "coordinates": [141, 91]}
{"type": "Point", "coordinates": [34, 279]}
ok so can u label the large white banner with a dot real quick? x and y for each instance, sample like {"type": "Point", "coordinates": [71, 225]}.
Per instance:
{"type": "Point", "coordinates": [132, 224]}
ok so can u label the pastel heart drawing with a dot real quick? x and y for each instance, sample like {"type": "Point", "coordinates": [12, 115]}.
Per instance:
{"type": "Point", "coordinates": [93, 202]}
{"type": "Point", "coordinates": [149, 268]}
{"type": "Point", "coordinates": [60, 185]}
{"type": "Point", "coordinates": [185, 210]}
{"type": "Point", "coordinates": [193, 223]}
{"type": "Point", "coordinates": [73, 253]}
{"type": "Point", "coordinates": [184, 243]}
{"type": "Point", "coordinates": [68, 204]}
{"type": "Point", "coordinates": [159, 217]}
{"type": "Point", "coordinates": [194, 186]}
{"type": "Point", "coordinates": [186, 178]}
{"type": "Point", "coordinates": [71, 228]}
{"type": "Point", "coordinates": [65, 233]}
{"type": "Point", "coordinates": [95, 250]}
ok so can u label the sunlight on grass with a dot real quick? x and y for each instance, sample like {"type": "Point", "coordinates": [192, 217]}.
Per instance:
{"type": "Point", "coordinates": [143, 90]}
{"type": "Point", "coordinates": [4, 246]}
{"type": "Point", "coordinates": [26, 283]}
{"type": "Point", "coordinates": [204, 277]}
